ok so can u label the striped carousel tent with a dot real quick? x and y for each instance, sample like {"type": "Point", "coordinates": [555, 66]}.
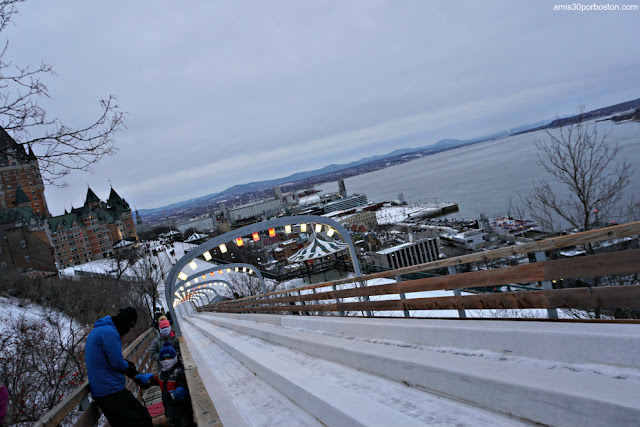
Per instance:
{"type": "Point", "coordinates": [317, 248]}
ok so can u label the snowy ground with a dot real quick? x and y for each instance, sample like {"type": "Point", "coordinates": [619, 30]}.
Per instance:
{"type": "Point", "coordinates": [396, 214]}
{"type": "Point", "coordinates": [164, 259]}
{"type": "Point", "coordinates": [15, 309]}
{"type": "Point", "coordinates": [12, 307]}
{"type": "Point", "coordinates": [107, 266]}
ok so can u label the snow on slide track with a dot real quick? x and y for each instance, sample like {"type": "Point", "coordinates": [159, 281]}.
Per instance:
{"type": "Point", "coordinates": [261, 379]}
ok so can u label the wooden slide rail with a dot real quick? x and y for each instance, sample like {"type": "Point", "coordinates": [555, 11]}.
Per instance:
{"type": "Point", "coordinates": [615, 263]}
{"type": "Point", "coordinates": [204, 411]}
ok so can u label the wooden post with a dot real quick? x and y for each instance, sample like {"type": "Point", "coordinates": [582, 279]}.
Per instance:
{"type": "Point", "coordinates": [457, 292]}
{"type": "Point", "coordinates": [366, 298]}
{"type": "Point", "coordinates": [546, 285]}
{"type": "Point", "coordinates": [403, 297]}
{"type": "Point", "coordinates": [306, 313]}
{"type": "Point", "coordinates": [335, 289]}
{"type": "Point", "coordinates": [291, 303]}
{"type": "Point", "coordinates": [320, 313]}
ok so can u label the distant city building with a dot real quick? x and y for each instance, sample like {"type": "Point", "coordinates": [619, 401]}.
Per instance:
{"type": "Point", "coordinates": [253, 209]}
{"type": "Point", "coordinates": [471, 239]}
{"type": "Point", "coordinates": [358, 217]}
{"type": "Point", "coordinates": [138, 219]}
{"type": "Point", "coordinates": [89, 233]}
{"type": "Point", "coordinates": [346, 203]}
{"type": "Point", "coordinates": [224, 226]}
{"type": "Point", "coordinates": [342, 189]}
{"type": "Point", "coordinates": [256, 209]}
{"type": "Point", "coordinates": [286, 249]}
{"type": "Point", "coordinates": [484, 223]}
{"type": "Point", "coordinates": [408, 254]}
{"type": "Point", "coordinates": [366, 218]}
{"type": "Point", "coordinates": [198, 224]}
{"type": "Point", "coordinates": [292, 199]}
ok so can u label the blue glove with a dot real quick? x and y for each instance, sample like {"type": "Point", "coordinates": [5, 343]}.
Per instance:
{"type": "Point", "coordinates": [178, 394]}
{"type": "Point", "coordinates": [144, 379]}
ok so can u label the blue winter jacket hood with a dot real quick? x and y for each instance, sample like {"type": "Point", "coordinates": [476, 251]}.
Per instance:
{"type": "Point", "coordinates": [103, 356]}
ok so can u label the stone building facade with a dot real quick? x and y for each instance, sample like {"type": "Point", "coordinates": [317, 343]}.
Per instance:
{"type": "Point", "coordinates": [25, 243]}
{"type": "Point", "coordinates": [19, 169]}
{"type": "Point", "coordinates": [32, 239]}
{"type": "Point", "coordinates": [89, 233]}
{"type": "Point", "coordinates": [408, 254]}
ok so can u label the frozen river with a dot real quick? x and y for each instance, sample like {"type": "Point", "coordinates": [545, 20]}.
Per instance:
{"type": "Point", "coordinates": [481, 177]}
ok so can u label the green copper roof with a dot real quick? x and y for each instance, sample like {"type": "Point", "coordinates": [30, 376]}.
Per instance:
{"type": "Point", "coordinates": [104, 212]}
{"type": "Point", "coordinates": [91, 196]}
{"type": "Point", "coordinates": [64, 221]}
{"type": "Point", "coordinates": [117, 202]}
{"type": "Point", "coordinates": [114, 196]}
{"type": "Point", "coordinates": [8, 143]}
{"type": "Point", "coordinates": [21, 197]}
{"type": "Point", "coordinates": [17, 214]}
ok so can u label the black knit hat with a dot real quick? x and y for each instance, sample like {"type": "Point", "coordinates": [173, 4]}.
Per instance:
{"type": "Point", "coordinates": [125, 320]}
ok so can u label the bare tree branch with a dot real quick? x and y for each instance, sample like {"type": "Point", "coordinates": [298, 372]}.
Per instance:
{"type": "Point", "coordinates": [247, 285]}
{"type": "Point", "coordinates": [59, 148]}
{"type": "Point", "coordinates": [579, 158]}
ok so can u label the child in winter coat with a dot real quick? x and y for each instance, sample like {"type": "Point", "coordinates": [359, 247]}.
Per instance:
{"type": "Point", "coordinates": [166, 335]}
{"type": "Point", "coordinates": [156, 323]}
{"type": "Point", "coordinates": [173, 383]}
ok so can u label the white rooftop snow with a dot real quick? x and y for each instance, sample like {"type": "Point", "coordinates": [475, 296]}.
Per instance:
{"type": "Point", "coordinates": [395, 214]}
{"type": "Point", "coordinates": [195, 237]}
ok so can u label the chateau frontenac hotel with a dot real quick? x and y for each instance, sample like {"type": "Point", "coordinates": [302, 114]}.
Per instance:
{"type": "Point", "coordinates": [33, 240]}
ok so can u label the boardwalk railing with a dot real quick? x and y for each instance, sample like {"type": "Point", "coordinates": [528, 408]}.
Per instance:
{"type": "Point", "coordinates": [338, 297]}
{"type": "Point", "coordinates": [138, 353]}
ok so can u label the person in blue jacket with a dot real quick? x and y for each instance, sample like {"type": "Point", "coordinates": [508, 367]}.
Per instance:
{"type": "Point", "coordinates": [106, 369]}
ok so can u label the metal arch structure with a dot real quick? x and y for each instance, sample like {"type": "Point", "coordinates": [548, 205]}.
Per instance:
{"type": "Point", "coordinates": [200, 296]}
{"type": "Point", "coordinates": [199, 292]}
{"type": "Point", "coordinates": [232, 266]}
{"type": "Point", "coordinates": [206, 282]}
{"type": "Point", "coordinates": [188, 297]}
{"type": "Point", "coordinates": [192, 293]}
{"type": "Point", "coordinates": [192, 288]}
{"type": "Point", "coordinates": [248, 230]}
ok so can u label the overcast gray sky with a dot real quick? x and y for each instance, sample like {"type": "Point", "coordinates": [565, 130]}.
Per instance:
{"type": "Point", "coordinates": [224, 93]}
